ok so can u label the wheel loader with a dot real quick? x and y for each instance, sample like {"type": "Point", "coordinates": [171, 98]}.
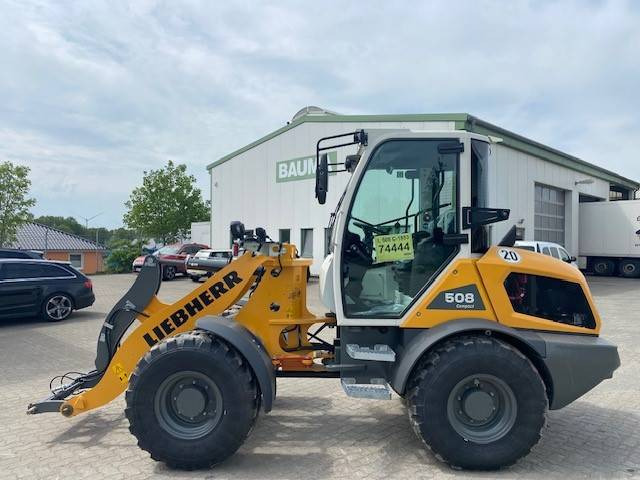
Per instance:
{"type": "Point", "coordinates": [478, 340]}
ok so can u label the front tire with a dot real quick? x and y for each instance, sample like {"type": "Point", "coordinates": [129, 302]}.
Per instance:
{"type": "Point", "coordinates": [477, 403]}
{"type": "Point", "coordinates": [192, 401]}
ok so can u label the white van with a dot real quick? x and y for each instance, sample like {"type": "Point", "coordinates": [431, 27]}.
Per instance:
{"type": "Point", "coordinates": [548, 248]}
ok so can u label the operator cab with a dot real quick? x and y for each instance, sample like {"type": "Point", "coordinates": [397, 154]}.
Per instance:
{"type": "Point", "coordinates": [400, 222]}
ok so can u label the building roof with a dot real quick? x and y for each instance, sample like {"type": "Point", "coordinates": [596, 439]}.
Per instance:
{"type": "Point", "coordinates": [462, 121]}
{"type": "Point", "coordinates": [35, 236]}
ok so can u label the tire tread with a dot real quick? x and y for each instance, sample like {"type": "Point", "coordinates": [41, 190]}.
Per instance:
{"type": "Point", "coordinates": [216, 347]}
{"type": "Point", "coordinates": [428, 365]}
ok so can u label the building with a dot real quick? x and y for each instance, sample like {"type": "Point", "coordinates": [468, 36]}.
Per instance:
{"type": "Point", "coordinates": [83, 254]}
{"type": "Point", "coordinates": [270, 182]}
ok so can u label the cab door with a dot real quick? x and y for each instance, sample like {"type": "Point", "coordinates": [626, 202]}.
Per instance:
{"type": "Point", "coordinates": [399, 227]}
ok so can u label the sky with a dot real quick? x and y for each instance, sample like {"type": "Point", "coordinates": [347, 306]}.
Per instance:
{"type": "Point", "coordinates": [94, 93]}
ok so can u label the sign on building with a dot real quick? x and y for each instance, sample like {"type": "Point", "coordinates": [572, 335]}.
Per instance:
{"type": "Point", "coordinates": [301, 168]}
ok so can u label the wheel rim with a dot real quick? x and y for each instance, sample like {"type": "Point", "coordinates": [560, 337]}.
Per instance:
{"type": "Point", "coordinates": [188, 405]}
{"type": "Point", "coordinates": [482, 408]}
{"type": "Point", "coordinates": [170, 273]}
{"type": "Point", "coordinates": [629, 268]}
{"type": "Point", "coordinates": [58, 307]}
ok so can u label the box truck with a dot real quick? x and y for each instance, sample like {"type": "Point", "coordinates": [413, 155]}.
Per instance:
{"type": "Point", "coordinates": [609, 242]}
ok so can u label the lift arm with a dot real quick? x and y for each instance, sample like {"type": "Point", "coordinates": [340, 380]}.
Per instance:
{"type": "Point", "coordinates": [157, 321]}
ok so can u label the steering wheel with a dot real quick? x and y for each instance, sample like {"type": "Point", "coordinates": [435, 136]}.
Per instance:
{"type": "Point", "coordinates": [367, 226]}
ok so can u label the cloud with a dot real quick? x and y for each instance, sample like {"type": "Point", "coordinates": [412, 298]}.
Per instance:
{"type": "Point", "coordinates": [93, 93]}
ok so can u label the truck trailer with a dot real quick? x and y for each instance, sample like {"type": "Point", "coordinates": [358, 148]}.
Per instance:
{"type": "Point", "coordinates": [609, 242]}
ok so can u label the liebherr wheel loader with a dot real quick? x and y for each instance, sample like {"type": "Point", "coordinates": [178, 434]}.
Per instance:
{"type": "Point", "coordinates": [480, 341]}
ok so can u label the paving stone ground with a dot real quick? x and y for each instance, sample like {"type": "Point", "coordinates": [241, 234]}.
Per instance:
{"type": "Point", "coordinates": [314, 430]}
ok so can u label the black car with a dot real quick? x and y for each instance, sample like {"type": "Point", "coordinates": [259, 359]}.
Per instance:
{"type": "Point", "coordinates": [30, 288]}
{"type": "Point", "coordinates": [16, 253]}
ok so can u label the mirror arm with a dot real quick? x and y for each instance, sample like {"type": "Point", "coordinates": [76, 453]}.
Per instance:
{"type": "Point", "coordinates": [476, 216]}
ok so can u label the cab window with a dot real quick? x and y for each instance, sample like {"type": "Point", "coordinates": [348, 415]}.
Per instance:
{"type": "Point", "coordinates": [393, 247]}
{"type": "Point", "coordinates": [564, 255]}
{"type": "Point", "coordinates": [554, 252]}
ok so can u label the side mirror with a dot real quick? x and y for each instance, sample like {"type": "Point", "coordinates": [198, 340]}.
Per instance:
{"type": "Point", "coordinates": [322, 179]}
{"type": "Point", "coordinates": [573, 259]}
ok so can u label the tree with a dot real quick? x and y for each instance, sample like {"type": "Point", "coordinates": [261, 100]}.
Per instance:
{"type": "Point", "coordinates": [122, 254]}
{"type": "Point", "coordinates": [166, 203]}
{"type": "Point", "coordinates": [14, 202]}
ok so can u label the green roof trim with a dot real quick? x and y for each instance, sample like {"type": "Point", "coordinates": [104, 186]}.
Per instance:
{"type": "Point", "coordinates": [462, 121]}
{"type": "Point", "coordinates": [531, 147]}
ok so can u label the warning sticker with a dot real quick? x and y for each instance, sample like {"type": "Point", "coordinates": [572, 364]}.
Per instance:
{"type": "Point", "coordinates": [119, 370]}
{"type": "Point", "coordinates": [393, 248]}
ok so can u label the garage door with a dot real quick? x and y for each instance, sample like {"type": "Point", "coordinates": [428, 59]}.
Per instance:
{"type": "Point", "coordinates": [549, 214]}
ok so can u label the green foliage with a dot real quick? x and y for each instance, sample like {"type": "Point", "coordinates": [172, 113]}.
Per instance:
{"type": "Point", "coordinates": [68, 224]}
{"type": "Point", "coordinates": [120, 234]}
{"type": "Point", "coordinates": [122, 254]}
{"type": "Point", "coordinates": [71, 225]}
{"type": "Point", "coordinates": [166, 203]}
{"type": "Point", "coordinates": [14, 202]}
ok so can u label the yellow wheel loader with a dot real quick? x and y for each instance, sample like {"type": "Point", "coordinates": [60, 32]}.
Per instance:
{"type": "Point", "coordinates": [479, 340]}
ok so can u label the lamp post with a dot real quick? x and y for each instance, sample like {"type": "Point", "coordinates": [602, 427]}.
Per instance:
{"type": "Point", "coordinates": [87, 220]}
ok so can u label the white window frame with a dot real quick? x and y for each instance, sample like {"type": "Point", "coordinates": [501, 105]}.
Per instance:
{"type": "Point", "coordinates": [81, 260]}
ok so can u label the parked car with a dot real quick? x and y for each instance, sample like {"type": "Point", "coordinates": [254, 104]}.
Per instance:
{"type": "Point", "coordinates": [172, 259]}
{"type": "Point", "coordinates": [207, 261]}
{"type": "Point", "coordinates": [548, 248]}
{"type": "Point", "coordinates": [16, 253]}
{"type": "Point", "coordinates": [30, 287]}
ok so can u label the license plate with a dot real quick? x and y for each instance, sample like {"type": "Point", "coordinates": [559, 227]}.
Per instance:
{"type": "Point", "coordinates": [393, 248]}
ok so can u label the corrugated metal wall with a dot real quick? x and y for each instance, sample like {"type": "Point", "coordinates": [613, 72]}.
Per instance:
{"type": "Point", "coordinates": [512, 178]}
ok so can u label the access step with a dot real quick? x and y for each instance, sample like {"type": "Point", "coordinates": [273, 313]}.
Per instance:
{"type": "Point", "coordinates": [378, 389]}
{"type": "Point", "coordinates": [379, 352]}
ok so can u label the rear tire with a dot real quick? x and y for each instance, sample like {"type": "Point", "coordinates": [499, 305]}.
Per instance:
{"type": "Point", "coordinates": [629, 268]}
{"type": "Point", "coordinates": [477, 403]}
{"type": "Point", "coordinates": [168, 272]}
{"type": "Point", "coordinates": [603, 267]}
{"type": "Point", "coordinates": [192, 401]}
{"type": "Point", "coordinates": [57, 307]}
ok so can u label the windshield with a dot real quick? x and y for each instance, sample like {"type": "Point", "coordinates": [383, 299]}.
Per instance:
{"type": "Point", "coordinates": [169, 250]}
{"type": "Point", "coordinates": [393, 245]}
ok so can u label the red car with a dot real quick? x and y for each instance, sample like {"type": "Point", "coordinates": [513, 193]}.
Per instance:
{"type": "Point", "coordinates": [172, 258]}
